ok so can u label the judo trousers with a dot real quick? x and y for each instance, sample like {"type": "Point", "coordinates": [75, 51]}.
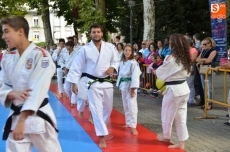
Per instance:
{"type": "Point", "coordinates": [174, 109]}
{"type": "Point", "coordinates": [68, 91]}
{"type": "Point", "coordinates": [130, 108]}
{"type": "Point", "coordinates": [101, 104]}
{"type": "Point", "coordinates": [59, 80]}
{"type": "Point", "coordinates": [44, 142]}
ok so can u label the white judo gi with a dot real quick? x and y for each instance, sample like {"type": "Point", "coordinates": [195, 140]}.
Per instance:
{"type": "Point", "coordinates": [174, 105]}
{"type": "Point", "coordinates": [129, 77]}
{"type": "Point", "coordinates": [61, 60]}
{"type": "Point", "coordinates": [100, 95]}
{"type": "Point", "coordinates": [68, 85]}
{"type": "Point", "coordinates": [33, 70]}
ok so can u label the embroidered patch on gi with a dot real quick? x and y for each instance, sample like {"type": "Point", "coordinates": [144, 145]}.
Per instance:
{"type": "Point", "coordinates": [45, 63]}
{"type": "Point", "coordinates": [29, 63]}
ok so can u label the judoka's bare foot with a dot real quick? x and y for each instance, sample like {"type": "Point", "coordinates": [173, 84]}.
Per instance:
{"type": "Point", "coordinates": [134, 131]}
{"type": "Point", "coordinates": [102, 143]}
{"type": "Point", "coordinates": [90, 119]}
{"type": "Point", "coordinates": [179, 145]}
{"type": "Point", "coordinates": [160, 138]}
{"type": "Point", "coordinates": [125, 126]}
{"type": "Point", "coordinates": [80, 114]}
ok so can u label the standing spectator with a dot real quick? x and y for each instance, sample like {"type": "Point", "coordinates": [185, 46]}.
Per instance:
{"type": "Point", "coordinates": [196, 39]}
{"type": "Point", "coordinates": [190, 80]}
{"type": "Point", "coordinates": [160, 47]}
{"type": "Point", "coordinates": [143, 46]}
{"type": "Point", "coordinates": [135, 48]}
{"type": "Point", "coordinates": [118, 39]}
{"type": "Point", "coordinates": [120, 47]}
{"type": "Point", "coordinates": [207, 57]}
{"type": "Point", "coordinates": [166, 50]}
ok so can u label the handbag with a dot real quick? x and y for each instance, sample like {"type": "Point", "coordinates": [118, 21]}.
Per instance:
{"type": "Point", "coordinates": [204, 68]}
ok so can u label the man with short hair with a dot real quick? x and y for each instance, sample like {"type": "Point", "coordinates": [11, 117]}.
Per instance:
{"type": "Point", "coordinates": [26, 76]}
{"type": "Point", "coordinates": [98, 60]}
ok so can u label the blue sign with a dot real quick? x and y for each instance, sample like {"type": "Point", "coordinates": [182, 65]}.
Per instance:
{"type": "Point", "coordinates": [219, 26]}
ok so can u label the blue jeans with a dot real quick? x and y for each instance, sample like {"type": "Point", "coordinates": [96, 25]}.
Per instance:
{"type": "Point", "coordinates": [202, 77]}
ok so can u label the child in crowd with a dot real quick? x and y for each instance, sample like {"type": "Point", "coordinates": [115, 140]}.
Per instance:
{"type": "Point", "coordinates": [128, 83]}
{"type": "Point", "coordinates": [139, 58]}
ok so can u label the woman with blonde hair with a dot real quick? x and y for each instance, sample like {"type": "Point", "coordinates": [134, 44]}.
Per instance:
{"type": "Point", "coordinates": [207, 57]}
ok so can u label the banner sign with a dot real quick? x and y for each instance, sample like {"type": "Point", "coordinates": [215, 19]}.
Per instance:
{"type": "Point", "coordinates": [219, 26]}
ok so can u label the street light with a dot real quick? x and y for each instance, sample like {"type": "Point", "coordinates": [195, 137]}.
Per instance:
{"type": "Point", "coordinates": [131, 4]}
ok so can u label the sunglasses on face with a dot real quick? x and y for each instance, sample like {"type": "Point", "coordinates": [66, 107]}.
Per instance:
{"type": "Point", "coordinates": [204, 44]}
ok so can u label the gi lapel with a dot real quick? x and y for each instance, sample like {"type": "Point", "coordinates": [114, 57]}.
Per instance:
{"type": "Point", "coordinates": [94, 53]}
{"type": "Point", "coordinates": [22, 60]}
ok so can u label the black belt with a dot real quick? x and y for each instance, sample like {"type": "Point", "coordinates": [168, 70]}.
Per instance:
{"type": "Point", "coordinates": [17, 111]}
{"type": "Point", "coordinates": [83, 75]}
{"type": "Point", "coordinates": [174, 82]}
{"type": "Point", "coordinates": [58, 66]}
{"type": "Point", "coordinates": [96, 79]}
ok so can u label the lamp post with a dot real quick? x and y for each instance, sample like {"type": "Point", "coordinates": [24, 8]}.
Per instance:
{"type": "Point", "coordinates": [131, 4]}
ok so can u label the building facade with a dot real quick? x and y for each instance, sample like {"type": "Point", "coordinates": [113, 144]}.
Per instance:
{"type": "Point", "coordinates": [59, 28]}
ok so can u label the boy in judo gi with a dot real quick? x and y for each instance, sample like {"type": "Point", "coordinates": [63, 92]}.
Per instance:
{"type": "Point", "coordinates": [128, 83]}
{"type": "Point", "coordinates": [98, 60]}
{"type": "Point", "coordinates": [26, 76]}
{"type": "Point", "coordinates": [174, 72]}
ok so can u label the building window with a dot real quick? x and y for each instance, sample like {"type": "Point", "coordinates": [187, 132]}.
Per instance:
{"type": "Point", "coordinates": [36, 36]}
{"type": "Point", "coordinates": [35, 20]}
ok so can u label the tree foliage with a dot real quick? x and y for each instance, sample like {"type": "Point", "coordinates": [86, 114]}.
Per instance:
{"type": "Point", "coordinates": [182, 16]}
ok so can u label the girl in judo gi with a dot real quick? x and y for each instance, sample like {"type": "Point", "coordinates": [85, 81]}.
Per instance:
{"type": "Point", "coordinates": [174, 72]}
{"type": "Point", "coordinates": [128, 83]}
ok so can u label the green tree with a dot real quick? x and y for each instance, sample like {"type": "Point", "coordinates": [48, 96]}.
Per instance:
{"type": "Point", "coordinates": [182, 16]}
{"type": "Point", "coordinates": [122, 22]}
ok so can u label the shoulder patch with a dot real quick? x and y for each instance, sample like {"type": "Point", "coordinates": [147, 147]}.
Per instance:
{"type": "Point", "coordinates": [45, 63]}
{"type": "Point", "coordinates": [42, 51]}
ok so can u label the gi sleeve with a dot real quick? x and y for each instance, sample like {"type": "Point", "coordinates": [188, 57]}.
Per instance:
{"type": "Point", "coordinates": [135, 77]}
{"type": "Point", "coordinates": [77, 67]}
{"type": "Point", "coordinates": [5, 86]}
{"type": "Point", "coordinates": [115, 59]}
{"type": "Point", "coordinates": [39, 81]}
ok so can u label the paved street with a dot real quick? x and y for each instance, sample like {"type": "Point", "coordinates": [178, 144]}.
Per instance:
{"type": "Point", "coordinates": [206, 135]}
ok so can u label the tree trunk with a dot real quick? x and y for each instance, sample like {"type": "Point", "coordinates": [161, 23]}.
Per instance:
{"type": "Point", "coordinates": [149, 19]}
{"type": "Point", "coordinates": [46, 23]}
{"type": "Point", "coordinates": [100, 4]}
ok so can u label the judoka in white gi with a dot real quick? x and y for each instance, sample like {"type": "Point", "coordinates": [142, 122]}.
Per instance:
{"type": "Point", "coordinates": [128, 81]}
{"type": "Point", "coordinates": [60, 56]}
{"type": "Point", "coordinates": [67, 85]}
{"type": "Point", "coordinates": [26, 77]}
{"type": "Point", "coordinates": [99, 59]}
{"type": "Point", "coordinates": [174, 71]}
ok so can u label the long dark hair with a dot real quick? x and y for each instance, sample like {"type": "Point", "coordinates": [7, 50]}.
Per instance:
{"type": "Point", "coordinates": [180, 50]}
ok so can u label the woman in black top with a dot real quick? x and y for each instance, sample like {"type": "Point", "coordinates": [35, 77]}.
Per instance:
{"type": "Point", "coordinates": [207, 57]}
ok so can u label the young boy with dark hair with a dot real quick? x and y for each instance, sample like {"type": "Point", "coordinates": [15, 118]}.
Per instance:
{"type": "Point", "coordinates": [26, 77]}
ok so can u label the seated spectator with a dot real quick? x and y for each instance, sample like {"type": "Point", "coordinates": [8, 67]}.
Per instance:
{"type": "Point", "coordinates": [139, 58]}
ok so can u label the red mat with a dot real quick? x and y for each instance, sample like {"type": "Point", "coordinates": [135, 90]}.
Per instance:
{"type": "Point", "coordinates": [122, 140]}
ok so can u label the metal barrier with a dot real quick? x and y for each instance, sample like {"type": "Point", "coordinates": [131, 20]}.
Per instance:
{"type": "Point", "coordinates": [221, 103]}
